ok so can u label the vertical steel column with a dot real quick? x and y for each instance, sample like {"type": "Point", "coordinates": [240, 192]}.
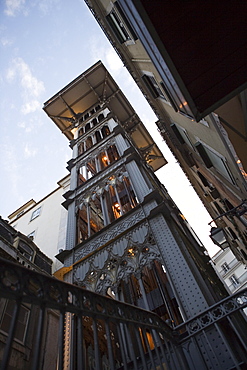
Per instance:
{"type": "Point", "coordinates": [123, 348]}
{"type": "Point", "coordinates": [236, 363]}
{"type": "Point", "coordinates": [161, 346]}
{"type": "Point", "coordinates": [109, 345]}
{"type": "Point", "coordinates": [61, 341]}
{"type": "Point", "coordinates": [88, 220]}
{"type": "Point", "coordinates": [79, 343]}
{"type": "Point", "coordinates": [216, 360]}
{"type": "Point", "coordinates": [155, 340]}
{"type": "Point", "coordinates": [137, 335]}
{"type": "Point", "coordinates": [130, 345]}
{"type": "Point", "coordinates": [144, 296]}
{"type": "Point", "coordinates": [237, 332]}
{"type": "Point", "coordinates": [179, 355]}
{"type": "Point", "coordinates": [38, 341]}
{"type": "Point", "coordinates": [118, 199]}
{"type": "Point", "coordinates": [96, 345]}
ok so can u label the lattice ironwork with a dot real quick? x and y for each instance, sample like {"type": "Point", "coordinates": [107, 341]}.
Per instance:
{"type": "Point", "coordinates": [94, 332]}
{"type": "Point", "coordinates": [215, 313]}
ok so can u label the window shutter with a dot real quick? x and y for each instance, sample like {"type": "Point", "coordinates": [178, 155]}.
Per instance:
{"type": "Point", "coordinates": [203, 154]}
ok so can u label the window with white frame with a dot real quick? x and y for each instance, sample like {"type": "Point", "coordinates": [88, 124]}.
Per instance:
{"type": "Point", "coordinates": [182, 135]}
{"type": "Point", "coordinates": [234, 281]}
{"type": "Point", "coordinates": [225, 267]}
{"type": "Point", "coordinates": [120, 25]}
{"type": "Point", "coordinates": [153, 86]}
{"type": "Point", "coordinates": [35, 213]}
{"type": "Point", "coordinates": [6, 313]}
{"type": "Point", "coordinates": [214, 159]}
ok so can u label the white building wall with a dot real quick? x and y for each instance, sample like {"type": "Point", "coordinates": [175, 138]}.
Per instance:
{"type": "Point", "coordinates": [230, 270]}
{"type": "Point", "coordinates": [50, 226]}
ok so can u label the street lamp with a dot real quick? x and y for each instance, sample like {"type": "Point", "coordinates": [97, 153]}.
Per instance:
{"type": "Point", "coordinates": [218, 236]}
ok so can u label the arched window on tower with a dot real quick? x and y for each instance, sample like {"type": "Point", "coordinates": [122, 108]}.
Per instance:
{"type": "Point", "coordinates": [89, 142]}
{"type": "Point", "coordinates": [119, 197]}
{"type": "Point", "coordinates": [102, 208]}
{"type": "Point", "coordinates": [112, 153]}
{"type": "Point", "coordinates": [86, 116]}
{"type": "Point", "coordinates": [98, 136]}
{"type": "Point", "coordinates": [96, 215]}
{"type": "Point", "coordinates": [90, 219]}
{"type": "Point", "coordinates": [107, 157]}
{"type": "Point", "coordinates": [105, 131]}
{"type": "Point", "coordinates": [87, 127]}
{"type": "Point", "coordinates": [80, 132]}
{"type": "Point", "coordinates": [82, 224]}
{"type": "Point", "coordinates": [81, 175]}
{"type": "Point", "coordinates": [91, 169]}
{"type": "Point", "coordinates": [81, 148]}
{"type": "Point", "coordinates": [103, 160]}
{"type": "Point", "coordinates": [94, 122]}
{"type": "Point", "coordinates": [101, 117]}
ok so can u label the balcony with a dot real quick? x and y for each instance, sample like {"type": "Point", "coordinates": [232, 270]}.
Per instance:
{"type": "Point", "coordinates": [66, 327]}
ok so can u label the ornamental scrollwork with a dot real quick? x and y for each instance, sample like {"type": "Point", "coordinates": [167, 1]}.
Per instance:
{"type": "Point", "coordinates": [117, 261]}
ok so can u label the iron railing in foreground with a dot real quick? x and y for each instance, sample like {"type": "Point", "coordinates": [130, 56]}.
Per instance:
{"type": "Point", "coordinates": [67, 327]}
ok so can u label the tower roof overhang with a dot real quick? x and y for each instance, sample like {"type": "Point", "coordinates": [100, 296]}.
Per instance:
{"type": "Point", "coordinates": [96, 86]}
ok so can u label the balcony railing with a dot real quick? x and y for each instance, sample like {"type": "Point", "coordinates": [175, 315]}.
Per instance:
{"type": "Point", "coordinates": [68, 327]}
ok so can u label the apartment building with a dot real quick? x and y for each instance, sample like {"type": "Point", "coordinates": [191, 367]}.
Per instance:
{"type": "Point", "coordinates": [44, 221]}
{"type": "Point", "coordinates": [199, 100]}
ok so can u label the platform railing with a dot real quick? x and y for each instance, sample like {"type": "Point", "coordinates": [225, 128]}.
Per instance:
{"type": "Point", "coordinates": [66, 327]}
{"type": "Point", "coordinates": [89, 331]}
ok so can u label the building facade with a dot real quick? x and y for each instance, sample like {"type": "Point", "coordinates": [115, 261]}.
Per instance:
{"type": "Point", "coordinates": [210, 145]}
{"type": "Point", "coordinates": [125, 236]}
{"type": "Point", "coordinates": [230, 270]}
{"type": "Point", "coordinates": [45, 221]}
{"type": "Point", "coordinates": [18, 248]}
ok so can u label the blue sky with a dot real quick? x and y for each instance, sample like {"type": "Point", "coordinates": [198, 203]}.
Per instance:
{"type": "Point", "coordinates": [44, 45]}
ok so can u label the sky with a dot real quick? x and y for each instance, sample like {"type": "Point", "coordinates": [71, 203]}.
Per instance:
{"type": "Point", "coordinates": [44, 45]}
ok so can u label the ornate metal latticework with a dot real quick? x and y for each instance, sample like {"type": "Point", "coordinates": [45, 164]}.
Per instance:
{"type": "Point", "coordinates": [113, 334]}
{"type": "Point", "coordinates": [117, 261]}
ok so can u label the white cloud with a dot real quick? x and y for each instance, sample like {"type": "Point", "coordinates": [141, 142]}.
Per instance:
{"type": "Point", "coordinates": [28, 81]}
{"type": "Point", "coordinates": [113, 61]}
{"type": "Point", "coordinates": [30, 124]}
{"type": "Point", "coordinates": [13, 7]}
{"type": "Point", "coordinates": [46, 5]}
{"type": "Point", "coordinates": [29, 152]}
{"type": "Point", "coordinates": [32, 88]}
{"type": "Point", "coordinates": [10, 74]}
{"type": "Point", "coordinates": [25, 126]}
{"type": "Point", "coordinates": [108, 56]}
{"type": "Point", "coordinates": [30, 107]}
{"type": "Point", "coordinates": [6, 42]}
{"type": "Point", "coordinates": [11, 166]}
